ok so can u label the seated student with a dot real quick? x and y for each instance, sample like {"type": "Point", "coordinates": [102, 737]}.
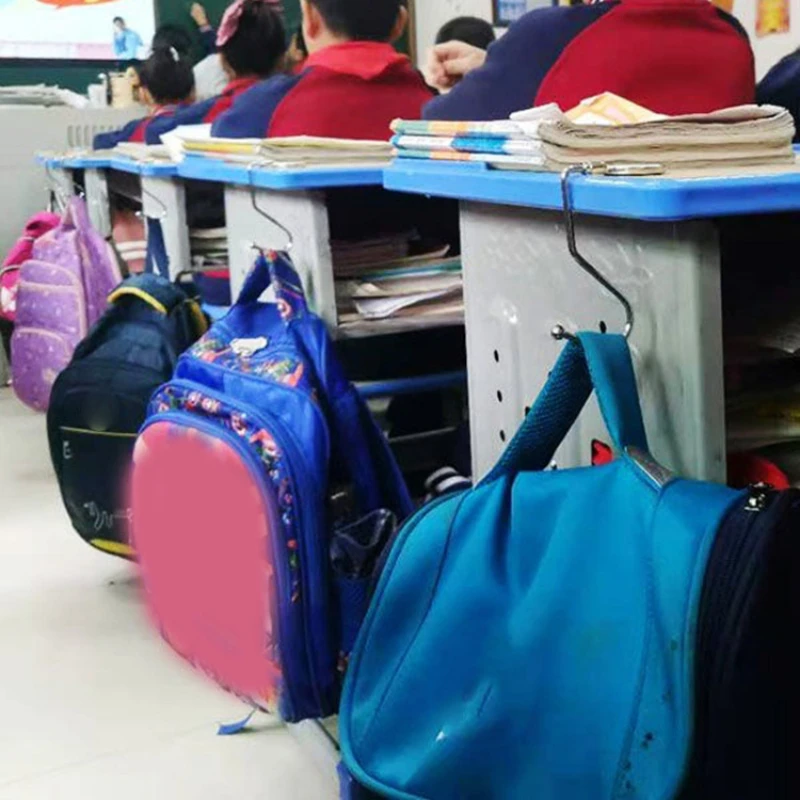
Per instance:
{"type": "Point", "coordinates": [209, 74]}
{"type": "Point", "coordinates": [352, 85]}
{"type": "Point", "coordinates": [167, 83]}
{"type": "Point", "coordinates": [252, 45]}
{"type": "Point", "coordinates": [472, 30]}
{"type": "Point", "coordinates": [671, 56]}
{"type": "Point", "coordinates": [781, 87]}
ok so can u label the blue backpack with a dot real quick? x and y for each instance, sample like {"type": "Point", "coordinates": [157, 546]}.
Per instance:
{"type": "Point", "coordinates": [534, 637]}
{"type": "Point", "coordinates": [278, 473]}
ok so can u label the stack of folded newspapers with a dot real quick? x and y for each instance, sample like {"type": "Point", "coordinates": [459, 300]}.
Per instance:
{"type": "Point", "coordinates": [289, 152]}
{"type": "Point", "coordinates": [747, 136]}
{"type": "Point", "coordinates": [611, 130]}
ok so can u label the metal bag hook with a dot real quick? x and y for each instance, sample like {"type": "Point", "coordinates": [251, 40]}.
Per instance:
{"type": "Point", "coordinates": [559, 332]}
{"type": "Point", "coordinates": [265, 214]}
{"type": "Point", "coordinates": [55, 186]}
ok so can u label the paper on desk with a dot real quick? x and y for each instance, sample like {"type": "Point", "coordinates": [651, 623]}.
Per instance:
{"type": "Point", "coordinates": [412, 286]}
{"type": "Point", "coordinates": [381, 308]}
{"type": "Point", "coordinates": [137, 151]}
{"type": "Point", "coordinates": [174, 140]}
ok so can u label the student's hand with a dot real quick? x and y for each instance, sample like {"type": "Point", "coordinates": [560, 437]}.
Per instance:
{"type": "Point", "coordinates": [199, 15]}
{"type": "Point", "coordinates": [448, 63]}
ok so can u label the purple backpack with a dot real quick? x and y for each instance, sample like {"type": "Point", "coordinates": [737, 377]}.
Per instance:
{"type": "Point", "coordinates": [62, 293]}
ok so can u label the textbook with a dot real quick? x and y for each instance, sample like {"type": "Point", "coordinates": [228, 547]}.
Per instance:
{"type": "Point", "coordinates": [292, 151]}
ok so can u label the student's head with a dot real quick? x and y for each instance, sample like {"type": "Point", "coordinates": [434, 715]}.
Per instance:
{"type": "Point", "coordinates": [472, 30]}
{"type": "Point", "coordinates": [327, 22]}
{"type": "Point", "coordinates": [167, 77]}
{"type": "Point", "coordinates": [252, 39]}
{"type": "Point", "coordinates": [119, 24]}
{"type": "Point", "coordinates": [173, 36]}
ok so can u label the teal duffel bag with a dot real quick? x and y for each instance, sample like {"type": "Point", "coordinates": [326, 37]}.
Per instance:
{"type": "Point", "coordinates": [533, 638]}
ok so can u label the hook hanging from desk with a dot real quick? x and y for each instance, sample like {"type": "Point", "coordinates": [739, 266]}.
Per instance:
{"type": "Point", "coordinates": [265, 214]}
{"type": "Point", "coordinates": [56, 188]}
{"type": "Point", "coordinates": [559, 332]}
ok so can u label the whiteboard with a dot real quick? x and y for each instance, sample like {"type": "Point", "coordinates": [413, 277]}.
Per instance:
{"type": "Point", "coordinates": [71, 29]}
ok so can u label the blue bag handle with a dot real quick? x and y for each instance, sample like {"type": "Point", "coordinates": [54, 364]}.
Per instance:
{"type": "Point", "coordinates": [157, 261]}
{"type": "Point", "coordinates": [596, 360]}
{"type": "Point", "coordinates": [275, 269]}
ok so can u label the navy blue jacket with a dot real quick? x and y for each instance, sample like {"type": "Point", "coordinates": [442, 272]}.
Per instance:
{"type": "Point", "coordinates": [781, 87]}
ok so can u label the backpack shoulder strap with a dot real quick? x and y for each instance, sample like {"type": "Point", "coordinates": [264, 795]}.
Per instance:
{"type": "Point", "coordinates": [161, 295]}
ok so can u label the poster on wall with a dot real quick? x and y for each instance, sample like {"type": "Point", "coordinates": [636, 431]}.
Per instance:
{"type": "Point", "coordinates": [772, 16]}
{"type": "Point", "coordinates": [725, 5]}
{"type": "Point", "coordinates": [508, 11]}
{"type": "Point", "coordinates": [76, 29]}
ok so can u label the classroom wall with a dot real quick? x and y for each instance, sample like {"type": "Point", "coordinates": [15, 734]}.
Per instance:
{"type": "Point", "coordinates": [430, 15]}
{"type": "Point", "coordinates": [769, 49]}
{"type": "Point", "coordinates": [79, 76]}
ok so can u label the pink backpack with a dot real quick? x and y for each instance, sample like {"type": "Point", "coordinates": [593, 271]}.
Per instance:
{"type": "Point", "coordinates": [62, 292]}
{"type": "Point", "coordinates": [37, 226]}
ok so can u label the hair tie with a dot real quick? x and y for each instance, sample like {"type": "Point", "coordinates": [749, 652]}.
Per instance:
{"type": "Point", "coordinates": [233, 15]}
{"type": "Point", "coordinates": [175, 55]}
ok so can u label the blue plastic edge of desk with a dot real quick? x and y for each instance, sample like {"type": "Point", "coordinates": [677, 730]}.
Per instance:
{"type": "Point", "coordinates": [207, 169]}
{"type": "Point", "coordinates": [649, 199]}
{"type": "Point", "coordinates": [74, 162]}
{"type": "Point", "coordinates": [146, 169]}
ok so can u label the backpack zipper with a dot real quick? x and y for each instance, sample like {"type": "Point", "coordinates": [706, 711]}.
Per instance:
{"type": "Point", "coordinates": [759, 495]}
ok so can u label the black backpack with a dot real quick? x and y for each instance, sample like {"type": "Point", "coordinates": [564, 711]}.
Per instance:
{"type": "Point", "coordinates": [100, 401]}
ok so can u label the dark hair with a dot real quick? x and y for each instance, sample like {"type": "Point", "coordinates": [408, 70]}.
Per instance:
{"type": "Point", "coordinates": [474, 31]}
{"type": "Point", "coordinates": [172, 36]}
{"type": "Point", "coordinates": [364, 20]}
{"type": "Point", "coordinates": [119, 19]}
{"type": "Point", "coordinates": [168, 76]}
{"type": "Point", "coordinates": [259, 44]}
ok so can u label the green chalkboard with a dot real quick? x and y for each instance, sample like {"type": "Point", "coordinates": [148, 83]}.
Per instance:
{"type": "Point", "coordinates": [78, 76]}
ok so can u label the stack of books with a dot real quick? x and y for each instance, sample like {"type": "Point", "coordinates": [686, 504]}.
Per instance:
{"type": "Point", "coordinates": [404, 289]}
{"type": "Point", "coordinates": [504, 144]}
{"type": "Point", "coordinates": [724, 141]}
{"type": "Point", "coordinates": [209, 248]}
{"type": "Point", "coordinates": [143, 152]}
{"type": "Point", "coordinates": [608, 129]}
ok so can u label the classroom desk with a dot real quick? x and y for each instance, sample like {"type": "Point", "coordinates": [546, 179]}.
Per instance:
{"type": "Point", "coordinates": [61, 171]}
{"type": "Point", "coordinates": [163, 199]}
{"type": "Point", "coordinates": [295, 199]}
{"type": "Point", "coordinates": [654, 238]}
{"type": "Point", "coordinates": [163, 195]}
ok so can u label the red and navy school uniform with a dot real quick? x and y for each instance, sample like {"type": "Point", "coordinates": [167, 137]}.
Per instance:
{"type": "Point", "coordinates": [202, 113]}
{"type": "Point", "coordinates": [135, 131]}
{"type": "Point", "coordinates": [352, 90]}
{"type": "Point", "coordinates": [781, 87]}
{"type": "Point", "coordinates": [671, 56]}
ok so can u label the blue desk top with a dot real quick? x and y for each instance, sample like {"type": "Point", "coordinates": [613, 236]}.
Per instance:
{"type": "Point", "coordinates": [653, 199]}
{"type": "Point", "coordinates": [83, 161]}
{"type": "Point", "coordinates": [208, 169]}
{"type": "Point", "coordinates": [147, 169]}
{"type": "Point", "coordinates": [108, 160]}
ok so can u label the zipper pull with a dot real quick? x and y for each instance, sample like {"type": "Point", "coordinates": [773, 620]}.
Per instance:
{"type": "Point", "coordinates": [759, 494]}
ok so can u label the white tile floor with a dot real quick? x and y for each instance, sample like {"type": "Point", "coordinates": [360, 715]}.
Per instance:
{"type": "Point", "coordinates": [92, 704]}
